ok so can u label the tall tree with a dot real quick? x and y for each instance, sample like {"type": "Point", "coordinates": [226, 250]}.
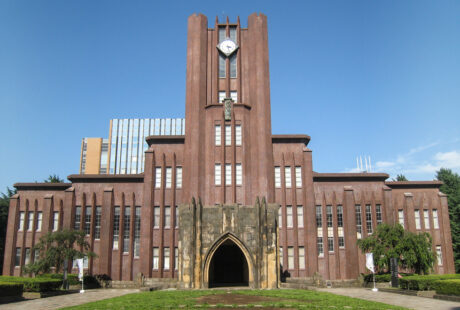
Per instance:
{"type": "Point", "coordinates": [4, 206]}
{"type": "Point", "coordinates": [400, 177]}
{"type": "Point", "coordinates": [451, 188]}
{"type": "Point", "coordinates": [53, 178]}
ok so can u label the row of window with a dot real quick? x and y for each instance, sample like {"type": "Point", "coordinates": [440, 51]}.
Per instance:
{"type": "Point", "coordinates": [168, 181]}
{"type": "Point", "coordinates": [223, 58]}
{"type": "Point", "coordinates": [233, 95]}
{"type": "Point", "coordinates": [166, 216]}
{"type": "Point", "coordinates": [330, 228]}
{"type": "Point", "coordinates": [288, 177]}
{"type": "Point", "coordinates": [289, 217]}
{"type": "Point", "coordinates": [126, 232]}
{"type": "Point", "coordinates": [291, 257]}
{"type": "Point", "coordinates": [36, 220]}
{"type": "Point", "coordinates": [228, 135]}
{"type": "Point", "coordinates": [426, 218]}
{"type": "Point", "coordinates": [85, 223]}
{"type": "Point", "coordinates": [228, 174]}
{"type": "Point", "coordinates": [18, 260]}
{"type": "Point", "coordinates": [369, 222]}
{"type": "Point", "coordinates": [166, 258]}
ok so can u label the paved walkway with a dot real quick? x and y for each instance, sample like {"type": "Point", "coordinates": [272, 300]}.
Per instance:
{"type": "Point", "coordinates": [68, 300]}
{"type": "Point", "coordinates": [412, 302]}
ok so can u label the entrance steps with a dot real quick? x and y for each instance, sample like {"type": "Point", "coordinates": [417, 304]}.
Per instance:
{"type": "Point", "coordinates": [299, 283]}
{"type": "Point", "coordinates": [160, 283]}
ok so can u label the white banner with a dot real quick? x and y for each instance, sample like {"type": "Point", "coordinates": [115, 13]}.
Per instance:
{"type": "Point", "coordinates": [370, 261]}
{"type": "Point", "coordinates": [80, 268]}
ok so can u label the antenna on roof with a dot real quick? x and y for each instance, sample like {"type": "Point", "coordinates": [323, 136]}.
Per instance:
{"type": "Point", "coordinates": [370, 165]}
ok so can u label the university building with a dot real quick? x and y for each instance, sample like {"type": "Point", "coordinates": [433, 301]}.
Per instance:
{"type": "Point", "coordinates": [225, 202]}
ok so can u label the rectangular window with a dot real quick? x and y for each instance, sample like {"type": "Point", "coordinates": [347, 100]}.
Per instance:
{"type": "Point", "coordinates": [298, 176]}
{"type": "Point", "coordinates": [238, 137]}
{"type": "Point", "coordinates": [222, 96]}
{"type": "Point", "coordinates": [30, 221]}
{"type": "Point", "coordinates": [435, 219]}
{"type": "Point", "coordinates": [168, 177]}
{"type": "Point", "coordinates": [156, 258]}
{"type": "Point", "coordinates": [217, 174]}
{"type": "Point", "coordinates": [359, 223]}
{"type": "Point", "coordinates": [176, 258]}
{"type": "Point", "coordinates": [17, 258]}
{"type": "Point", "coordinates": [300, 216]}
{"type": "Point", "coordinates": [417, 219]}
{"type": "Point", "coordinates": [439, 255]}
{"type": "Point", "coordinates": [234, 96]}
{"type": "Point", "coordinates": [88, 211]}
{"type": "Point", "coordinates": [55, 221]}
{"type": "Point", "coordinates": [36, 255]}
{"type": "Point", "coordinates": [280, 217]}
{"type": "Point", "coordinates": [97, 223]}
{"type": "Point", "coordinates": [21, 220]}
{"type": "Point", "coordinates": [218, 135]}
{"type": "Point", "coordinates": [76, 224]}
{"type": "Point", "coordinates": [287, 176]}
{"type": "Point", "coordinates": [339, 216]}
{"type": "Point", "coordinates": [39, 221]}
{"type": "Point", "coordinates": [290, 257]}
{"type": "Point", "coordinates": [329, 216]}
{"type": "Point", "coordinates": [281, 256]}
{"type": "Point", "coordinates": [401, 217]}
{"type": "Point", "coordinates": [330, 244]}
{"type": "Point", "coordinates": [222, 66]}
{"type": "Point", "coordinates": [137, 231]}
{"type": "Point", "coordinates": [157, 177]}
{"type": "Point", "coordinates": [319, 217]}
{"type": "Point", "coordinates": [301, 257]}
{"type": "Point", "coordinates": [426, 217]}
{"type": "Point", "coordinates": [126, 228]}
{"type": "Point", "coordinates": [228, 174]}
{"type": "Point", "coordinates": [341, 242]}
{"type": "Point", "coordinates": [378, 214]}
{"type": "Point", "coordinates": [85, 262]}
{"type": "Point", "coordinates": [239, 174]}
{"type": "Point", "coordinates": [233, 66]}
{"type": "Point", "coordinates": [277, 177]}
{"type": "Point", "coordinates": [289, 216]}
{"type": "Point", "coordinates": [176, 217]}
{"type": "Point", "coordinates": [369, 219]}
{"type": "Point", "coordinates": [319, 245]}
{"type": "Point", "coordinates": [166, 258]}
{"type": "Point", "coordinates": [27, 257]}
{"type": "Point", "coordinates": [116, 227]}
{"type": "Point", "coordinates": [156, 217]}
{"type": "Point", "coordinates": [167, 216]}
{"type": "Point", "coordinates": [228, 135]}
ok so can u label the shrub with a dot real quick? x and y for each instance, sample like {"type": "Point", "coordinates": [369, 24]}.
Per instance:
{"type": "Point", "coordinates": [34, 284]}
{"type": "Point", "coordinates": [424, 283]}
{"type": "Point", "coordinates": [384, 277]}
{"type": "Point", "coordinates": [447, 287]}
{"type": "Point", "coordinates": [71, 278]}
{"type": "Point", "coordinates": [11, 289]}
{"type": "Point", "coordinates": [90, 281]}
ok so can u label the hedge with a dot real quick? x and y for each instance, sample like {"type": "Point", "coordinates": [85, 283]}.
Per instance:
{"type": "Point", "coordinates": [71, 278]}
{"type": "Point", "coordinates": [11, 289]}
{"type": "Point", "coordinates": [34, 284]}
{"type": "Point", "coordinates": [424, 283]}
{"type": "Point", "coordinates": [447, 287]}
{"type": "Point", "coordinates": [385, 277]}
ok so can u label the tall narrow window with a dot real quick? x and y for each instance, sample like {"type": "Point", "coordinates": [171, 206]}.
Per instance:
{"type": "Point", "coordinates": [280, 217]}
{"type": "Point", "coordinates": [137, 231]}
{"type": "Point", "coordinates": [329, 216]}
{"type": "Point", "coordinates": [167, 216]}
{"type": "Point", "coordinates": [340, 226]}
{"type": "Point", "coordinates": [234, 96]}
{"type": "Point", "coordinates": [426, 217]}
{"type": "Point", "coordinates": [168, 177]}
{"type": "Point", "coordinates": [157, 177]}
{"type": "Point", "coordinates": [435, 219]}
{"type": "Point", "coordinates": [287, 176]}
{"type": "Point", "coordinates": [88, 211]}
{"type": "Point", "coordinates": [417, 219]}
{"type": "Point", "coordinates": [166, 255]}
{"type": "Point", "coordinates": [218, 135]}
{"type": "Point", "coordinates": [179, 177]}
{"type": "Point", "coordinates": [319, 217]}
{"type": "Point", "coordinates": [369, 219]}
{"type": "Point", "coordinates": [298, 176]}
{"type": "Point", "coordinates": [228, 135]}
{"type": "Point", "coordinates": [401, 217]}
{"type": "Point", "coordinates": [301, 257]}
{"type": "Point", "coordinates": [378, 214]}
{"type": "Point", "coordinates": [156, 217]}
{"type": "Point", "coordinates": [319, 245]}
{"type": "Point", "coordinates": [27, 256]}
{"type": "Point", "coordinates": [217, 174]}
{"type": "Point", "coordinates": [176, 213]}
{"type": "Point", "coordinates": [156, 258]}
{"type": "Point", "coordinates": [126, 229]}
{"type": "Point", "coordinates": [39, 221]}
{"type": "Point", "coordinates": [97, 223]}
{"type": "Point", "coordinates": [36, 255]}
{"type": "Point", "coordinates": [21, 220]}
{"type": "Point", "coordinates": [222, 66]}
{"type": "Point", "coordinates": [30, 221]}
{"type": "Point", "coordinates": [222, 95]}
{"type": "Point", "coordinates": [233, 65]}
{"type": "Point", "coordinates": [228, 174]}
{"type": "Point", "coordinates": [289, 216]}
{"type": "Point", "coordinates": [290, 257]}
{"type": "Point", "coordinates": [277, 177]}
{"type": "Point", "coordinates": [300, 216]}
{"type": "Point", "coordinates": [281, 256]}
{"type": "Point", "coordinates": [239, 174]}
{"type": "Point", "coordinates": [359, 223]}
{"type": "Point", "coordinates": [330, 244]}
{"type": "Point", "coordinates": [17, 258]}
{"type": "Point", "coordinates": [238, 137]}
{"type": "Point", "coordinates": [55, 221]}
{"type": "Point", "coordinates": [176, 258]}
{"type": "Point", "coordinates": [439, 255]}
{"type": "Point", "coordinates": [116, 227]}
{"type": "Point", "coordinates": [76, 224]}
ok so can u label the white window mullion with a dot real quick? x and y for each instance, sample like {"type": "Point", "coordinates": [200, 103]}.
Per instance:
{"type": "Point", "coordinates": [228, 174]}
{"type": "Point", "coordinates": [239, 174]}
{"type": "Point", "coordinates": [218, 135]}
{"type": "Point", "coordinates": [218, 174]}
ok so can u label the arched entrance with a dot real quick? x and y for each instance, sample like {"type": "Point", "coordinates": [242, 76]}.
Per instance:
{"type": "Point", "coordinates": [228, 266]}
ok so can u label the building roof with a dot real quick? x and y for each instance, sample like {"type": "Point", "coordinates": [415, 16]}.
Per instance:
{"type": "Point", "coordinates": [42, 186]}
{"type": "Point", "coordinates": [414, 184]}
{"type": "Point", "coordinates": [337, 177]}
{"type": "Point", "coordinates": [106, 178]}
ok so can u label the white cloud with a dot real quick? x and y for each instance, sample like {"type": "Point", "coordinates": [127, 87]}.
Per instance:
{"type": "Point", "coordinates": [448, 159]}
{"type": "Point", "coordinates": [384, 164]}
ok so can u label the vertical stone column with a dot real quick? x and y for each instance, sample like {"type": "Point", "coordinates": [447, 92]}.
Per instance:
{"type": "Point", "coordinates": [10, 241]}
{"type": "Point", "coordinates": [388, 206]}
{"type": "Point", "coordinates": [350, 232]}
{"type": "Point", "coordinates": [310, 245]}
{"type": "Point", "coordinates": [105, 259]}
{"type": "Point", "coordinates": [47, 214]}
{"type": "Point", "coordinates": [409, 206]}
{"type": "Point", "coordinates": [147, 216]}
{"type": "Point", "coordinates": [446, 248]}
{"type": "Point", "coordinates": [69, 208]}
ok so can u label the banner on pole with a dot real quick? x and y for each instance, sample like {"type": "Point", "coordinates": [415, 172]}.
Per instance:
{"type": "Point", "coordinates": [370, 261]}
{"type": "Point", "coordinates": [80, 268]}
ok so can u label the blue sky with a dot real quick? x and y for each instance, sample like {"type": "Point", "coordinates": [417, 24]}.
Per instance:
{"type": "Point", "coordinates": [374, 78]}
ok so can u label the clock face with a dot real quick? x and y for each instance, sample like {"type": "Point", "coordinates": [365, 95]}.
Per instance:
{"type": "Point", "coordinates": [227, 46]}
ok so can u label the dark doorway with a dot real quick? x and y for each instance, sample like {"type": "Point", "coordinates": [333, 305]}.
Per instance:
{"type": "Point", "coordinates": [228, 266]}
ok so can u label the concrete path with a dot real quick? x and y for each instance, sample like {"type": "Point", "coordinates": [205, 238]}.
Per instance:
{"type": "Point", "coordinates": [412, 302]}
{"type": "Point", "coordinates": [68, 300]}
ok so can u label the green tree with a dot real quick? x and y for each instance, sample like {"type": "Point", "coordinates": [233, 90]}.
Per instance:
{"type": "Point", "coordinates": [412, 250]}
{"type": "Point", "coordinates": [451, 188]}
{"type": "Point", "coordinates": [400, 177]}
{"type": "Point", "coordinates": [4, 207]}
{"type": "Point", "coordinates": [53, 178]}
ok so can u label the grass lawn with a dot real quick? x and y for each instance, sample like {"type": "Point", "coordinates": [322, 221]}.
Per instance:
{"type": "Point", "coordinates": [215, 299]}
